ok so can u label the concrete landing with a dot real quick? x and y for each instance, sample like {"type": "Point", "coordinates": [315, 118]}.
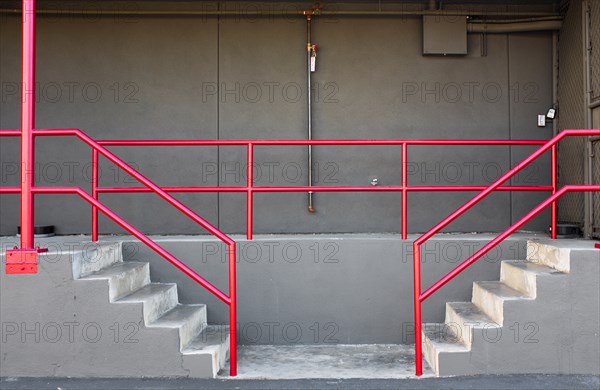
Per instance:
{"type": "Point", "coordinates": [340, 361]}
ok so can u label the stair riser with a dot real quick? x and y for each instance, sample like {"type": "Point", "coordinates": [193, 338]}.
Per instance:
{"type": "Point", "coordinates": [94, 257]}
{"type": "Point", "coordinates": [128, 282]}
{"type": "Point", "coordinates": [430, 354]}
{"type": "Point", "coordinates": [519, 279]}
{"type": "Point", "coordinates": [192, 328]}
{"type": "Point", "coordinates": [549, 255]}
{"type": "Point", "coordinates": [469, 333]}
{"type": "Point", "coordinates": [159, 304]}
{"type": "Point", "coordinates": [207, 364]}
{"type": "Point", "coordinates": [222, 354]}
{"type": "Point", "coordinates": [489, 303]}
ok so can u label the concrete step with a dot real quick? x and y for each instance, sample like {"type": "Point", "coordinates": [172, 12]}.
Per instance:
{"type": "Point", "coordinates": [559, 277]}
{"type": "Point", "coordinates": [206, 355]}
{"type": "Point", "coordinates": [439, 343]}
{"type": "Point", "coordinates": [491, 296]}
{"type": "Point", "coordinates": [95, 256]}
{"type": "Point", "coordinates": [523, 275]}
{"type": "Point", "coordinates": [549, 254]}
{"type": "Point", "coordinates": [123, 278]}
{"type": "Point", "coordinates": [190, 320]}
{"type": "Point", "coordinates": [468, 322]}
{"type": "Point", "coordinates": [560, 254]}
{"type": "Point", "coordinates": [156, 298]}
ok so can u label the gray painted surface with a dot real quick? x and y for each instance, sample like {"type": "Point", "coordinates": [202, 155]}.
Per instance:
{"type": "Point", "coordinates": [70, 328]}
{"type": "Point", "coordinates": [86, 313]}
{"type": "Point", "coordinates": [483, 382]}
{"type": "Point", "coordinates": [371, 82]}
{"type": "Point", "coordinates": [541, 317]}
{"type": "Point", "coordinates": [309, 289]}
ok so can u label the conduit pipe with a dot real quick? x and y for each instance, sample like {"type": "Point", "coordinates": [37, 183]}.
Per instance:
{"type": "Point", "coordinates": [282, 12]}
{"type": "Point", "coordinates": [513, 27]}
{"type": "Point", "coordinates": [310, 51]}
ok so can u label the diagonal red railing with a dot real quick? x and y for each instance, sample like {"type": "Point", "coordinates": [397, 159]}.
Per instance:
{"type": "Point", "coordinates": [419, 296]}
{"type": "Point", "coordinates": [230, 299]}
{"type": "Point", "coordinates": [25, 258]}
{"type": "Point", "coordinates": [98, 148]}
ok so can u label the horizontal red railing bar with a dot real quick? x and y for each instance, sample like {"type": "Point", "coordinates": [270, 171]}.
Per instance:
{"type": "Point", "coordinates": [489, 246]}
{"type": "Point", "coordinates": [339, 142]}
{"type": "Point", "coordinates": [10, 190]}
{"type": "Point", "coordinates": [322, 189]}
{"type": "Point", "coordinates": [10, 133]}
{"type": "Point", "coordinates": [139, 235]}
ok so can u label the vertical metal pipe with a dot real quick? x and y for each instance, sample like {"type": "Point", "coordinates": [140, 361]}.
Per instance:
{"type": "Point", "coordinates": [554, 212]}
{"type": "Point", "coordinates": [27, 124]}
{"type": "Point", "coordinates": [311, 208]}
{"type": "Point", "coordinates": [587, 166]}
{"type": "Point", "coordinates": [249, 185]}
{"type": "Point", "coordinates": [554, 79]}
{"type": "Point", "coordinates": [94, 194]}
{"type": "Point", "coordinates": [404, 191]}
{"type": "Point", "coordinates": [417, 309]}
{"type": "Point", "coordinates": [232, 312]}
{"type": "Point", "coordinates": [554, 185]}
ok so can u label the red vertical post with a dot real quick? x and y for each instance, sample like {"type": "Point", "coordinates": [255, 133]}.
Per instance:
{"type": "Point", "coordinates": [232, 312]}
{"type": "Point", "coordinates": [25, 259]}
{"type": "Point", "coordinates": [554, 185]}
{"type": "Point", "coordinates": [404, 228]}
{"type": "Point", "coordinates": [249, 185]}
{"type": "Point", "coordinates": [417, 308]}
{"type": "Point", "coordinates": [27, 124]}
{"type": "Point", "coordinates": [94, 194]}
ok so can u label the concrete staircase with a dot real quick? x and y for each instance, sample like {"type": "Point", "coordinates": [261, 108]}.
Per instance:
{"type": "Point", "coordinates": [541, 317]}
{"type": "Point", "coordinates": [204, 348]}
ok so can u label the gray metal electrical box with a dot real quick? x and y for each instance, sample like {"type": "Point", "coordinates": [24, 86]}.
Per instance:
{"type": "Point", "coordinates": [444, 35]}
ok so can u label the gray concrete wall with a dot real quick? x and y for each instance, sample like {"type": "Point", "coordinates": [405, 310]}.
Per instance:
{"type": "Point", "coordinates": [244, 77]}
{"type": "Point", "coordinates": [302, 289]}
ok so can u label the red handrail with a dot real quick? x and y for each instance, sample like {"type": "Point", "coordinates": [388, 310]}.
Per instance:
{"type": "Point", "coordinates": [230, 300]}
{"type": "Point", "coordinates": [419, 296]}
{"type": "Point", "coordinates": [250, 189]}
{"type": "Point", "coordinates": [149, 186]}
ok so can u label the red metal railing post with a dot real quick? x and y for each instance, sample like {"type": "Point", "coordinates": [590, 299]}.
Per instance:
{"type": "Point", "coordinates": [94, 194]}
{"type": "Point", "coordinates": [404, 228]}
{"type": "Point", "coordinates": [27, 124]}
{"type": "Point", "coordinates": [249, 189]}
{"type": "Point", "coordinates": [554, 185]}
{"type": "Point", "coordinates": [25, 259]}
{"type": "Point", "coordinates": [232, 311]}
{"type": "Point", "coordinates": [417, 309]}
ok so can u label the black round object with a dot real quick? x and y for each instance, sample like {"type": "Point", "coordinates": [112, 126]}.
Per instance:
{"type": "Point", "coordinates": [40, 230]}
{"type": "Point", "coordinates": [568, 230]}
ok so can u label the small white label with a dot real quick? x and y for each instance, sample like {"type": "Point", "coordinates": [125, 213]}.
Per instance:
{"type": "Point", "coordinates": [313, 63]}
{"type": "Point", "coordinates": [541, 120]}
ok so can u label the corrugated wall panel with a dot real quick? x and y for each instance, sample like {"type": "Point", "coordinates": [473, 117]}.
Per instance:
{"type": "Point", "coordinates": [571, 116]}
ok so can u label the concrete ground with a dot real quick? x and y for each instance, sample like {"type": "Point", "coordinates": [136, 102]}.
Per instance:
{"type": "Point", "coordinates": [333, 361]}
{"type": "Point", "coordinates": [529, 382]}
